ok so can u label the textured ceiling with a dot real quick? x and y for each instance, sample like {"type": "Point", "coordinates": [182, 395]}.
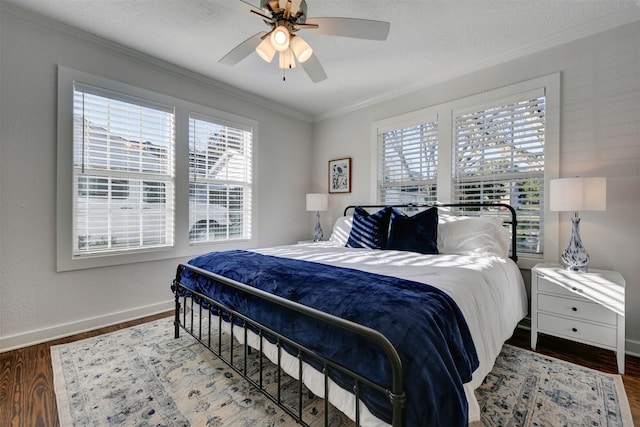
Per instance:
{"type": "Point", "coordinates": [429, 40]}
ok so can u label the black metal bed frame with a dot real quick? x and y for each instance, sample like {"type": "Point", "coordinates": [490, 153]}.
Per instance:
{"type": "Point", "coordinates": [186, 299]}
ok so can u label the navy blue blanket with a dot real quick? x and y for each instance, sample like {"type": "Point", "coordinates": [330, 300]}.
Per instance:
{"type": "Point", "coordinates": [423, 323]}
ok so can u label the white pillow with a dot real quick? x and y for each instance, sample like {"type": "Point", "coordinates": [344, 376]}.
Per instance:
{"type": "Point", "coordinates": [479, 236]}
{"type": "Point", "coordinates": [341, 230]}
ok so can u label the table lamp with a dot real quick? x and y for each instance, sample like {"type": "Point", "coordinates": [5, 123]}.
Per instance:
{"type": "Point", "coordinates": [317, 202]}
{"type": "Point", "coordinates": [577, 194]}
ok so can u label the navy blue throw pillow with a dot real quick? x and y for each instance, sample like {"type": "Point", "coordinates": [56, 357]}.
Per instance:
{"type": "Point", "coordinates": [369, 230]}
{"type": "Point", "coordinates": [416, 233]}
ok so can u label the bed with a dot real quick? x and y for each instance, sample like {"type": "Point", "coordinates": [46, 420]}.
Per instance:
{"type": "Point", "coordinates": [393, 321]}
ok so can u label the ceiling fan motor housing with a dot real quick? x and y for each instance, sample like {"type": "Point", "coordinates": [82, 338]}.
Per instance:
{"type": "Point", "coordinates": [278, 12]}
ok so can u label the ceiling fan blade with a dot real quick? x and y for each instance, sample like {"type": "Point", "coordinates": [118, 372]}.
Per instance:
{"type": "Point", "coordinates": [351, 27]}
{"type": "Point", "coordinates": [243, 50]}
{"type": "Point", "coordinates": [314, 69]}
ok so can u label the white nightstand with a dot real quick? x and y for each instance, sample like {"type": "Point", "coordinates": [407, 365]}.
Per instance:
{"type": "Point", "coordinates": [584, 307]}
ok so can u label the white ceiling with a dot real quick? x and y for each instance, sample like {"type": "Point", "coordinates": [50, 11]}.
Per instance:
{"type": "Point", "coordinates": [429, 41]}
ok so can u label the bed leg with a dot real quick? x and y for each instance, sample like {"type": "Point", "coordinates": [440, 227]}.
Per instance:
{"type": "Point", "coordinates": [176, 319]}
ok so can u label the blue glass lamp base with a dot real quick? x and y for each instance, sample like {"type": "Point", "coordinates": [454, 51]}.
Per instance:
{"type": "Point", "coordinates": [317, 233]}
{"type": "Point", "coordinates": [575, 256]}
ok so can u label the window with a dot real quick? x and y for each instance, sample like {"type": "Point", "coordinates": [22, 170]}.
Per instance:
{"type": "Point", "coordinates": [123, 172]}
{"type": "Point", "coordinates": [499, 157]}
{"type": "Point", "coordinates": [143, 176]}
{"type": "Point", "coordinates": [498, 146]}
{"type": "Point", "coordinates": [408, 164]}
{"type": "Point", "coordinates": [219, 179]}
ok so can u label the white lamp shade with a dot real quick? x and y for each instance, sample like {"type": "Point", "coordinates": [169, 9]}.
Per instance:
{"type": "Point", "coordinates": [266, 50]}
{"type": "Point", "coordinates": [317, 202]}
{"type": "Point", "coordinates": [280, 38]}
{"type": "Point", "coordinates": [301, 48]}
{"type": "Point", "coordinates": [287, 60]}
{"type": "Point", "coordinates": [578, 194]}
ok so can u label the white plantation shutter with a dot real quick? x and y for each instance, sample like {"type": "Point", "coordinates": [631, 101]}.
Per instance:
{"type": "Point", "coordinates": [408, 164]}
{"type": "Point", "coordinates": [123, 172]}
{"type": "Point", "coordinates": [220, 179]}
{"type": "Point", "coordinates": [499, 157]}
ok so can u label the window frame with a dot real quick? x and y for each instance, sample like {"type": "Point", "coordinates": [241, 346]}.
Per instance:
{"type": "Point", "coordinates": [550, 85]}
{"type": "Point", "coordinates": [65, 261]}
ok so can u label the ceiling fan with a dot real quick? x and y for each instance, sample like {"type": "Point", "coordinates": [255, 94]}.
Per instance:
{"type": "Point", "coordinates": [285, 18]}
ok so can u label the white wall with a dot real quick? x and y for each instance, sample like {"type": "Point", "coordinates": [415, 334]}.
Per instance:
{"type": "Point", "coordinates": [599, 136]}
{"type": "Point", "coordinates": [36, 303]}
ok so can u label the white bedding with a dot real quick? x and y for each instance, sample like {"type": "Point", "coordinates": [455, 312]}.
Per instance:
{"type": "Point", "coordinates": [489, 291]}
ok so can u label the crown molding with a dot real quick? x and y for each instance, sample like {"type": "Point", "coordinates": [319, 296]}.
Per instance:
{"type": "Point", "coordinates": [39, 22]}
{"type": "Point", "coordinates": [606, 23]}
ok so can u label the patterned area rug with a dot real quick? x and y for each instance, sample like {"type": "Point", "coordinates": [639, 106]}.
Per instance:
{"type": "Point", "coordinates": [530, 389]}
{"type": "Point", "coordinates": [143, 376]}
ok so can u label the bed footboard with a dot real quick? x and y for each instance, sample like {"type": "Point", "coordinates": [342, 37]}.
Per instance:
{"type": "Point", "coordinates": [198, 315]}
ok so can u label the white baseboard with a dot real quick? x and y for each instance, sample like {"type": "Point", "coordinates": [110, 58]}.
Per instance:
{"type": "Point", "coordinates": [632, 348]}
{"type": "Point", "coordinates": [64, 330]}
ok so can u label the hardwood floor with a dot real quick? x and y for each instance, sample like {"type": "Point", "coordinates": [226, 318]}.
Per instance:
{"type": "Point", "coordinates": [27, 396]}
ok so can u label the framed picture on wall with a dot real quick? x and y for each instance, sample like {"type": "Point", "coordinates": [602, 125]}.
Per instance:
{"type": "Point", "coordinates": [340, 175]}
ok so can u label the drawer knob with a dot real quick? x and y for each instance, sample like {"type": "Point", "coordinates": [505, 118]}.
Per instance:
{"type": "Point", "coordinates": [574, 329]}
{"type": "Point", "coordinates": [574, 308]}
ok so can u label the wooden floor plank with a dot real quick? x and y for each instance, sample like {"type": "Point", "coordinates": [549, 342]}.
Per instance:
{"type": "Point", "coordinates": [27, 397]}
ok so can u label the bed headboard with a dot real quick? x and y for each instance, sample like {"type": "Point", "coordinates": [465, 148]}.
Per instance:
{"type": "Point", "coordinates": [513, 221]}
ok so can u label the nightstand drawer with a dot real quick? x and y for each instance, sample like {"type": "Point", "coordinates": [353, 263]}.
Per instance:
{"type": "Point", "coordinates": [577, 330]}
{"type": "Point", "coordinates": [545, 285]}
{"type": "Point", "coordinates": [577, 308]}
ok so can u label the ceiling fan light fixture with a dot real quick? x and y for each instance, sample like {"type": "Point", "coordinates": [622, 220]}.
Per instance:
{"type": "Point", "coordinates": [266, 50]}
{"type": "Point", "coordinates": [301, 48]}
{"type": "Point", "coordinates": [280, 38]}
{"type": "Point", "coordinates": [287, 60]}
